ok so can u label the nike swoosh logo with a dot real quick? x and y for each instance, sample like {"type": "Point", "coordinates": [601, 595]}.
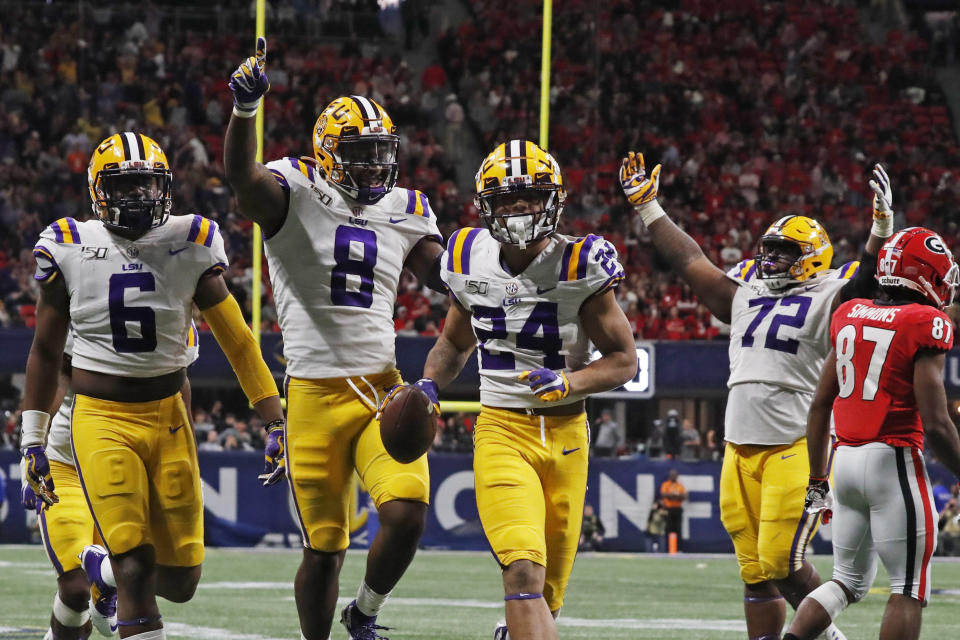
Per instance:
{"type": "Point", "coordinates": [175, 429]}
{"type": "Point", "coordinates": [175, 252]}
{"type": "Point", "coordinates": [392, 221]}
{"type": "Point", "coordinates": [541, 291]}
{"type": "Point", "coordinates": [567, 452]}
{"type": "Point", "coordinates": [789, 456]}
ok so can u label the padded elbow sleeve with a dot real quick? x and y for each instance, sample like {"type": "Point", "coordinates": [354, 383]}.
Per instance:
{"type": "Point", "coordinates": [234, 337]}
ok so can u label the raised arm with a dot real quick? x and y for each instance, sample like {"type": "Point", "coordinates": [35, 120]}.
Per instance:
{"type": "Point", "coordinates": [260, 197]}
{"type": "Point", "coordinates": [932, 402]}
{"type": "Point", "coordinates": [710, 284]}
{"type": "Point", "coordinates": [864, 283]}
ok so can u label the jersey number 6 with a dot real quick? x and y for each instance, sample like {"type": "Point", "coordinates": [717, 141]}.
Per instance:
{"type": "Point", "coordinates": [120, 314]}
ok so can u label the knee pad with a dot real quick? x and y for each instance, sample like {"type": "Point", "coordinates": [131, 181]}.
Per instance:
{"type": "Point", "coordinates": [67, 616]}
{"type": "Point", "coordinates": [831, 597]}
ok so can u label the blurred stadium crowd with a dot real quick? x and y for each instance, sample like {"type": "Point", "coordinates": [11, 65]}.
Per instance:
{"type": "Point", "coordinates": [756, 109]}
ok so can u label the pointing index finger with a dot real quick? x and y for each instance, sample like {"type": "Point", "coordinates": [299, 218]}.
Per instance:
{"type": "Point", "coordinates": [261, 50]}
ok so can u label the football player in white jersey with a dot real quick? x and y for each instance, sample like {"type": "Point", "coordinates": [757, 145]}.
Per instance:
{"type": "Point", "coordinates": [338, 233]}
{"type": "Point", "coordinates": [778, 306]}
{"type": "Point", "coordinates": [69, 528]}
{"type": "Point", "coordinates": [531, 301]}
{"type": "Point", "coordinates": [124, 284]}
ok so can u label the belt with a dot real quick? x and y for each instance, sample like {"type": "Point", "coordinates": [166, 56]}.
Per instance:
{"type": "Point", "coordinates": [571, 409]}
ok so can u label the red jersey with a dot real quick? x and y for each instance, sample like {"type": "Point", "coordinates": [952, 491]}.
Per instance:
{"type": "Point", "coordinates": [875, 346]}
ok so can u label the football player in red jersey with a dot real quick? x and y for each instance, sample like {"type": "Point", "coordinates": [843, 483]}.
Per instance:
{"type": "Point", "coordinates": [884, 382]}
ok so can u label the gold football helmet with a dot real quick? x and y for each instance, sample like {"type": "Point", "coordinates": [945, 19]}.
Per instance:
{"type": "Point", "coordinates": [130, 182]}
{"type": "Point", "coordinates": [356, 144]}
{"type": "Point", "coordinates": [512, 170]}
{"type": "Point", "coordinates": [794, 249]}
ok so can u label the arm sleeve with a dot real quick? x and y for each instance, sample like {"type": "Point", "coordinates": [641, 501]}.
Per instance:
{"type": "Point", "coordinates": [863, 284]}
{"type": "Point", "coordinates": [236, 340]}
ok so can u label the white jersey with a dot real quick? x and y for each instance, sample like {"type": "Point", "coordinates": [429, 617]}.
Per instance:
{"type": "Point", "coordinates": [531, 320]}
{"type": "Point", "coordinates": [335, 270]}
{"type": "Point", "coordinates": [58, 437]}
{"type": "Point", "coordinates": [779, 340]}
{"type": "Point", "coordinates": [130, 300]}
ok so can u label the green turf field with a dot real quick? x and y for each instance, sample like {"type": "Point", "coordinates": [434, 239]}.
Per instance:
{"type": "Point", "coordinates": [248, 595]}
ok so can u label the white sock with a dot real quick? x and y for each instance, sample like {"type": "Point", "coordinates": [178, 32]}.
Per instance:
{"type": "Point", "coordinates": [369, 602]}
{"type": "Point", "coordinates": [156, 634]}
{"type": "Point", "coordinates": [48, 635]}
{"type": "Point", "coordinates": [302, 637]}
{"type": "Point", "coordinates": [106, 572]}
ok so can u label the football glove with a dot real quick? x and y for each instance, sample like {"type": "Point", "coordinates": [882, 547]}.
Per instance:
{"type": "Point", "coordinates": [249, 82]}
{"type": "Point", "coordinates": [27, 497]}
{"type": "Point", "coordinates": [274, 455]}
{"type": "Point", "coordinates": [882, 203]}
{"type": "Point", "coordinates": [638, 188]}
{"type": "Point", "coordinates": [549, 386]}
{"type": "Point", "coordinates": [35, 470]}
{"type": "Point", "coordinates": [818, 499]}
{"type": "Point", "coordinates": [427, 385]}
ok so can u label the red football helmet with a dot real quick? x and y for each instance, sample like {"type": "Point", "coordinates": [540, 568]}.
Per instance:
{"type": "Point", "coordinates": [918, 259]}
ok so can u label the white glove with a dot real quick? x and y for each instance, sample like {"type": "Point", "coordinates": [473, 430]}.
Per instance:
{"type": "Point", "coordinates": [882, 203]}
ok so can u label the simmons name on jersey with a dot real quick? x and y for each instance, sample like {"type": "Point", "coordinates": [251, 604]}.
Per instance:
{"type": "Point", "coordinates": [335, 270]}
{"type": "Point", "coordinates": [530, 320]}
{"type": "Point", "coordinates": [130, 300]}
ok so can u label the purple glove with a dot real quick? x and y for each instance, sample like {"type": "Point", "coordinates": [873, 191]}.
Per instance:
{"type": "Point", "coordinates": [249, 82]}
{"type": "Point", "coordinates": [548, 385]}
{"type": "Point", "coordinates": [35, 470]}
{"type": "Point", "coordinates": [427, 385]}
{"type": "Point", "coordinates": [274, 455]}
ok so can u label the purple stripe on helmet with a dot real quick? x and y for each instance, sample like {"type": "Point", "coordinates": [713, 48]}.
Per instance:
{"type": "Point", "coordinates": [83, 485]}
{"type": "Point", "coordinates": [212, 231]}
{"type": "Point", "coordinates": [57, 233]}
{"type": "Point", "coordinates": [585, 255]}
{"type": "Point", "coordinates": [451, 244]}
{"type": "Point", "coordinates": [411, 201]}
{"type": "Point", "coordinates": [194, 229]}
{"type": "Point", "coordinates": [72, 225]}
{"type": "Point", "coordinates": [565, 261]}
{"type": "Point", "coordinates": [46, 543]}
{"type": "Point", "coordinates": [467, 244]}
{"type": "Point", "coordinates": [426, 205]}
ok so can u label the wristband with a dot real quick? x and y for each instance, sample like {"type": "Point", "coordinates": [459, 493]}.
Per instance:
{"type": "Point", "coordinates": [650, 212]}
{"type": "Point", "coordinates": [882, 227]}
{"type": "Point", "coordinates": [33, 428]}
{"type": "Point", "coordinates": [244, 113]}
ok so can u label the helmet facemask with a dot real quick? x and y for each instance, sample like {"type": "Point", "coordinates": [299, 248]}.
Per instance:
{"type": "Point", "coordinates": [365, 168]}
{"type": "Point", "coordinates": [778, 263]}
{"type": "Point", "coordinates": [520, 215]}
{"type": "Point", "coordinates": [133, 197]}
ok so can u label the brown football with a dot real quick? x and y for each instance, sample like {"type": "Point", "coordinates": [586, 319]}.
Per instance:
{"type": "Point", "coordinates": [407, 424]}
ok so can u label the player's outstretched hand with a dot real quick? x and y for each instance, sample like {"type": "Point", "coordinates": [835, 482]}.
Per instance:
{"type": "Point", "coordinates": [637, 186]}
{"type": "Point", "coordinates": [35, 476]}
{"type": "Point", "coordinates": [427, 385]}
{"type": "Point", "coordinates": [548, 385]}
{"type": "Point", "coordinates": [249, 82]}
{"type": "Point", "coordinates": [274, 455]}
{"type": "Point", "coordinates": [818, 499]}
{"type": "Point", "coordinates": [882, 203]}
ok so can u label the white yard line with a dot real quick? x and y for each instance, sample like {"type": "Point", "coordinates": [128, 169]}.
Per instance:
{"type": "Point", "coordinates": [689, 624]}
{"type": "Point", "coordinates": [210, 633]}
